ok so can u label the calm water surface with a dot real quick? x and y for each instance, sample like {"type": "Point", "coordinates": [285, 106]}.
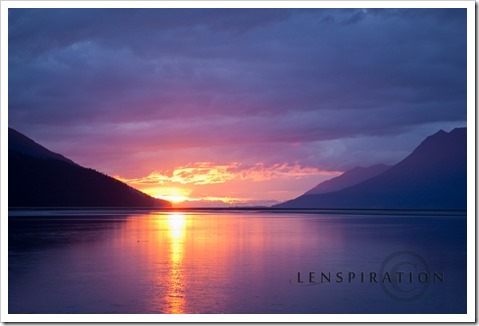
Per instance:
{"type": "Point", "coordinates": [234, 262]}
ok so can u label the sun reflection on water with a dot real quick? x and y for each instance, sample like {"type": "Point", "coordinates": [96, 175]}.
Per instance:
{"type": "Point", "coordinates": [175, 296]}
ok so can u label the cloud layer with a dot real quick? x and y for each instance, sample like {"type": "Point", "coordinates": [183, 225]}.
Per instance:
{"type": "Point", "coordinates": [131, 91]}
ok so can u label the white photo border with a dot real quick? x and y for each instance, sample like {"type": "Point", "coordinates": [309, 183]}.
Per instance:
{"type": "Point", "coordinates": [471, 160]}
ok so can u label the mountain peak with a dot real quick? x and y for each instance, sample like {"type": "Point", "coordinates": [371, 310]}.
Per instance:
{"type": "Point", "coordinates": [455, 132]}
{"type": "Point", "coordinates": [433, 176]}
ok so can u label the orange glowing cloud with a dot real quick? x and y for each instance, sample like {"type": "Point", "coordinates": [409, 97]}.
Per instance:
{"type": "Point", "coordinates": [202, 173]}
{"type": "Point", "coordinates": [177, 185]}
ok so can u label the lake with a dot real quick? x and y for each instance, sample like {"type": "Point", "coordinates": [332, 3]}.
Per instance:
{"type": "Point", "coordinates": [247, 262]}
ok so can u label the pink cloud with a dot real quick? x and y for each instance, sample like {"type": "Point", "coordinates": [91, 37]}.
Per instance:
{"type": "Point", "coordinates": [203, 173]}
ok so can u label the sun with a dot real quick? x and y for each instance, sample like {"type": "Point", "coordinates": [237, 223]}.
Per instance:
{"type": "Point", "coordinates": [173, 195]}
{"type": "Point", "coordinates": [173, 198]}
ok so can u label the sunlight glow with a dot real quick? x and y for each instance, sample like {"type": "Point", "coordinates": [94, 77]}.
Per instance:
{"type": "Point", "coordinates": [171, 194]}
{"type": "Point", "coordinates": [207, 173]}
{"type": "Point", "coordinates": [206, 184]}
{"type": "Point", "coordinates": [174, 199]}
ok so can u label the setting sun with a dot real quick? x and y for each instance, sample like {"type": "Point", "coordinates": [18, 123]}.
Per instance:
{"type": "Point", "coordinates": [174, 195]}
{"type": "Point", "coordinates": [171, 194]}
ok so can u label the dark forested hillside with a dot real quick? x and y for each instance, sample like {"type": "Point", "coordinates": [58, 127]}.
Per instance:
{"type": "Point", "coordinates": [45, 181]}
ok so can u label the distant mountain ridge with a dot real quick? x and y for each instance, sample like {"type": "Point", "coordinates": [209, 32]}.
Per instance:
{"type": "Point", "coordinates": [348, 179]}
{"type": "Point", "coordinates": [38, 177]}
{"type": "Point", "coordinates": [433, 176]}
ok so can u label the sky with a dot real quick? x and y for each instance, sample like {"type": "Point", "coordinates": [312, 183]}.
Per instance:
{"type": "Point", "coordinates": [234, 106]}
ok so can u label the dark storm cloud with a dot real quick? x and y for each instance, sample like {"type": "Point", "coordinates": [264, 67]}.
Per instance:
{"type": "Point", "coordinates": [211, 77]}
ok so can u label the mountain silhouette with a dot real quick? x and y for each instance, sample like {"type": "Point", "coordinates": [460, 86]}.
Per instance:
{"type": "Point", "coordinates": [22, 144]}
{"type": "Point", "coordinates": [347, 179]}
{"type": "Point", "coordinates": [433, 176]}
{"type": "Point", "coordinates": [38, 177]}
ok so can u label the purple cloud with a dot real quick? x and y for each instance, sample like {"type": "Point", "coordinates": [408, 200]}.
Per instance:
{"type": "Point", "coordinates": [323, 88]}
